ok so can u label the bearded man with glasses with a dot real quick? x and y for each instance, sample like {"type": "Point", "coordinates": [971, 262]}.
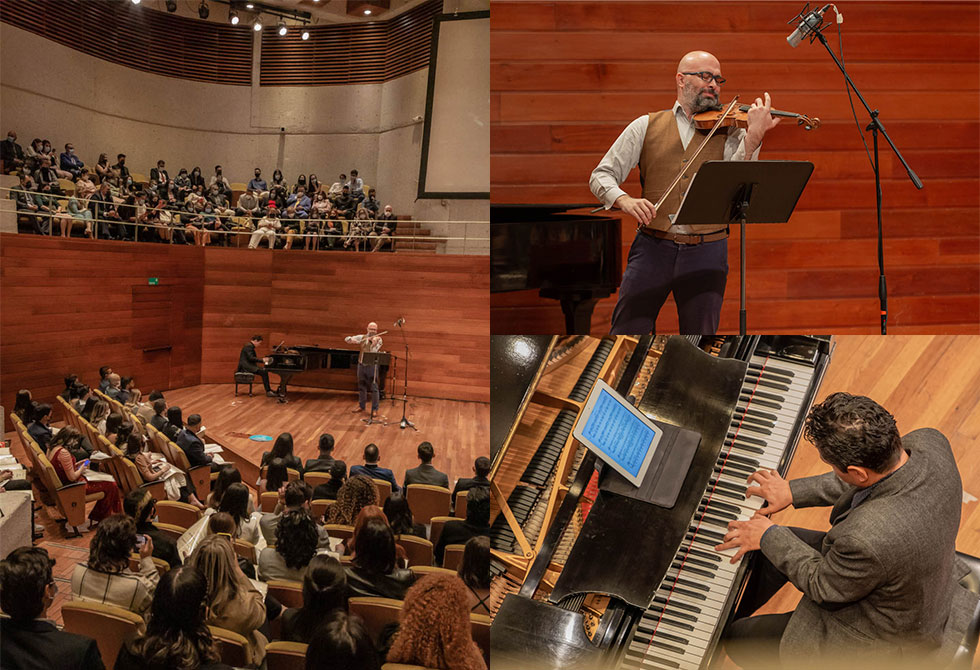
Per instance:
{"type": "Point", "coordinates": [689, 261]}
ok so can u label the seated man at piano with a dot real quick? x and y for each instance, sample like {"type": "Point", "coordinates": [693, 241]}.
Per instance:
{"type": "Point", "coordinates": [883, 581]}
{"type": "Point", "coordinates": [689, 261]}
{"type": "Point", "coordinates": [248, 361]}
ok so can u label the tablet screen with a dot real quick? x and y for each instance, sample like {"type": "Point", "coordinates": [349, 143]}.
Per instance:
{"type": "Point", "coordinates": [623, 437]}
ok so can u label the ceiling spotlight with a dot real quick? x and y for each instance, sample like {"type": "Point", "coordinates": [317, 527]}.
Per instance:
{"type": "Point", "coordinates": [306, 35]}
{"type": "Point", "coordinates": [233, 17]}
{"type": "Point", "coordinates": [136, 2]}
{"type": "Point", "coordinates": [203, 10]}
{"type": "Point", "coordinates": [367, 12]}
{"type": "Point", "coordinates": [282, 28]}
{"type": "Point", "coordinates": [257, 26]}
{"type": "Point", "coordinates": [171, 6]}
{"type": "Point", "coordinates": [249, 5]}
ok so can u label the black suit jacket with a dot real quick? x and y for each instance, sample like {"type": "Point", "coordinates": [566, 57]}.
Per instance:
{"type": "Point", "coordinates": [164, 546]}
{"type": "Point", "coordinates": [155, 175]}
{"type": "Point", "coordinates": [247, 360]}
{"type": "Point", "coordinates": [39, 645]}
{"type": "Point", "coordinates": [192, 446]}
{"type": "Point", "coordinates": [457, 532]}
{"type": "Point", "coordinates": [321, 464]}
{"type": "Point", "coordinates": [159, 422]}
{"type": "Point", "coordinates": [467, 483]}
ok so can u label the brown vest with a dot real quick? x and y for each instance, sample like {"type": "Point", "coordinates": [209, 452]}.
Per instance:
{"type": "Point", "coordinates": [663, 156]}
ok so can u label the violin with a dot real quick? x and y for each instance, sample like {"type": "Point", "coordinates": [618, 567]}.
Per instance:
{"type": "Point", "coordinates": [740, 118]}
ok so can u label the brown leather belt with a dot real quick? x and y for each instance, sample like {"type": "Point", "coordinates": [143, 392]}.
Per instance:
{"type": "Point", "coordinates": [679, 238]}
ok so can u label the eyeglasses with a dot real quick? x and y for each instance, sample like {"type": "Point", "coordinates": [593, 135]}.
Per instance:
{"type": "Point", "coordinates": [707, 76]}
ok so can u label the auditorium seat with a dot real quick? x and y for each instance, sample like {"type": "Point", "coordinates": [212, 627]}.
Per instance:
{"type": "Point", "coordinates": [292, 474]}
{"type": "Point", "coordinates": [176, 513]}
{"type": "Point", "coordinates": [423, 570]}
{"type": "Point", "coordinates": [480, 628]}
{"type": "Point", "coordinates": [376, 612]}
{"type": "Point", "coordinates": [286, 591]}
{"type": "Point", "coordinates": [268, 501]}
{"type": "Point", "coordinates": [418, 550]}
{"type": "Point", "coordinates": [108, 625]}
{"type": "Point", "coordinates": [319, 507]}
{"type": "Point", "coordinates": [314, 479]}
{"type": "Point", "coordinates": [200, 476]}
{"type": "Point", "coordinates": [339, 531]}
{"type": "Point", "coordinates": [231, 646]}
{"type": "Point", "coordinates": [161, 565]}
{"type": "Point", "coordinates": [453, 556]}
{"type": "Point", "coordinates": [427, 501]}
{"type": "Point", "coordinates": [67, 185]}
{"type": "Point", "coordinates": [435, 527]}
{"type": "Point", "coordinates": [459, 510]}
{"type": "Point", "coordinates": [384, 490]}
{"type": "Point", "coordinates": [246, 550]}
{"type": "Point", "coordinates": [171, 531]}
{"type": "Point", "coordinates": [128, 478]}
{"type": "Point", "coordinates": [285, 656]}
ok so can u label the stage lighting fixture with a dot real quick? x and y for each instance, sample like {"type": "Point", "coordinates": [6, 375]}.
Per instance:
{"type": "Point", "coordinates": [306, 35]}
{"type": "Point", "coordinates": [249, 5]}
{"type": "Point", "coordinates": [233, 17]}
{"type": "Point", "coordinates": [136, 2]}
{"type": "Point", "coordinates": [257, 26]}
{"type": "Point", "coordinates": [367, 12]}
{"type": "Point", "coordinates": [282, 28]}
{"type": "Point", "coordinates": [171, 6]}
{"type": "Point", "coordinates": [203, 10]}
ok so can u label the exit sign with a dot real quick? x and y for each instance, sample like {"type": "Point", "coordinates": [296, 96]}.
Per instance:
{"type": "Point", "coordinates": [154, 281]}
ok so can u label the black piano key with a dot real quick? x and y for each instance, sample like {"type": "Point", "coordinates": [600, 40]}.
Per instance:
{"type": "Point", "coordinates": [773, 369]}
{"type": "Point", "coordinates": [675, 605]}
{"type": "Point", "coordinates": [716, 558]}
{"type": "Point", "coordinates": [687, 593]}
{"type": "Point", "coordinates": [708, 533]}
{"type": "Point", "coordinates": [759, 401]}
{"type": "Point", "coordinates": [756, 393]}
{"type": "Point", "coordinates": [692, 565]}
{"type": "Point", "coordinates": [738, 458]}
{"type": "Point", "coordinates": [664, 636]}
{"type": "Point", "coordinates": [764, 382]}
{"type": "Point", "coordinates": [719, 505]}
{"type": "Point", "coordinates": [744, 439]}
{"type": "Point", "coordinates": [755, 411]}
{"type": "Point", "coordinates": [716, 517]}
{"type": "Point", "coordinates": [644, 659]}
{"type": "Point", "coordinates": [757, 424]}
{"type": "Point", "coordinates": [757, 429]}
{"type": "Point", "coordinates": [735, 488]}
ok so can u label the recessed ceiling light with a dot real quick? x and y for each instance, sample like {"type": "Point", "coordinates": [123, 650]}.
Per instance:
{"type": "Point", "coordinates": [249, 5]}
{"type": "Point", "coordinates": [306, 34]}
{"type": "Point", "coordinates": [367, 12]}
{"type": "Point", "coordinates": [257, 26]}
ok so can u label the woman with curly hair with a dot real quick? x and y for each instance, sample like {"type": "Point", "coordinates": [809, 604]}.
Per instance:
{"type": "Point", "coordinates": [233, 602]}
{"type": "Point", "coordinates": [177, 636]}
{"type": "Point", "coordinates": [324, 591]}
{"type": "Point", "coordinates": [107, 578]}
{"type": "Point", "coordinates": [296, 543]}
{"type": "Point", "coordinates": [435, 627]}
{"type": "Point", "coordinates": [374, 569]}
{"type": "Point", "coordinates": [357, 493]}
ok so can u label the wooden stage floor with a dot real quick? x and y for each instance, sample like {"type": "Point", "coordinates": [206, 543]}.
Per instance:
{"type": "Point", "coordinates": [459, 431]}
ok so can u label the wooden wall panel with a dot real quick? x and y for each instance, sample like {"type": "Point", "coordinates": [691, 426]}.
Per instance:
{"type": "Point", "coordinates": [567, 77]}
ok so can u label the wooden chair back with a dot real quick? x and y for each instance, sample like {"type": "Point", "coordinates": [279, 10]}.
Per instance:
{"type": "Point", "coordinates": [231, 646]}
{"type": "Point", "coordinates": [108, 625]}
{"type": "Point", "coordinates": [384, 490]}
{"type": "Point", "coordinates": [435, 527]}
{"type": "Point", "coordinates": [418, 550]}
{"type": "Point", "coordinates": [427, 501]}
{"type": "Point", "coordinates": [459, 509]}
{"type": "Point", "coordinates": [179, 514]}
{"type": "Point", "coordinates": [286, 591]}
{"type": "Point", "coordinates": [453, 556]}
{"type": "Point", "coordinates": [285, 656]}
{"type": "Point", "coordinates": [376, 612]}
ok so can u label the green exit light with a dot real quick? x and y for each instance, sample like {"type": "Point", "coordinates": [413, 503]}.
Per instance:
{"type": "Point", "coordinates": [154, 281]}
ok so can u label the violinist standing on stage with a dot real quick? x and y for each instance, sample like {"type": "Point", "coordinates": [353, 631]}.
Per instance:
{"type": "Point", "coordinates": [367, 375]}
{"type": "Point", "coordinates": [689, 261]}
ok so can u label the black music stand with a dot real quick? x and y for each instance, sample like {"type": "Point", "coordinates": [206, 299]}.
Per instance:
{"type": "Point", "coordinates": [727, 192]}
{"type": "Point", "coordinates": [375, 359]}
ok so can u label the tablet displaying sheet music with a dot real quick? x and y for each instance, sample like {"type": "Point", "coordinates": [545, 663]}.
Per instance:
{"type": "Point", "coordinates": [617, 432]}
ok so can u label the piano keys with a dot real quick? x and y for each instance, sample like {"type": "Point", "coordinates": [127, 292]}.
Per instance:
{"type": "Point", "coordinates": [642, 586]}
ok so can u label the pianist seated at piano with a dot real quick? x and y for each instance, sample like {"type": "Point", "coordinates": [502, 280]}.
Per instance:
{"type": "Point", "coordinates": [248, 361]}
{"type": "Point", "coordinates": [881, 586]}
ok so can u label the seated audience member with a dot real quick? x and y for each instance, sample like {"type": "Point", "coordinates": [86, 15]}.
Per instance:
{"type": "Point", "coordinates": [158, 420]}
{"type": "Point", "coordinates": [400, 517]}
{"type": "Point", "coordinates": [24, 407]}
{"type": "Point", "coordinates": [104, 373]}
{"type": "Point", "coordinates": [374, 570]}
{"type": "Point", "coordinates": [371, 203]}
{"type": "Point", "coordinates": [283, 448]}
{"type": "Point", "coordinates": [102, 168]}
{"type": "Point", "coordinates": [314, 186]}
{"type": "Point", "coordinates": [332, 229]}
{"type": "Point", "coordinates": [345, 202]}
{"type": "Point", "coordinates": [121, 168]}
{"type": "Point", "coordinates": [182, 184]}
{"type": "Point", "coordinates": [266, 227]}
{"type": "Point", "coordinates": [384, 229]}
{"type": "Point", "coordinates": [369, 513]}
{"type": "Point", "coordinates": [233, 601]}
{"type": "Point", "coordinates": [358, 231]}
{"type": "Point", "coordinates": [113, 422]}
{"type": "Point", "coordinates": [72, 215]}
{"type": "Point", "coordinates": [47, 177]}
{"type": "Point", "coordinates": [159, 174]}
{"type": "Point", "coordinates": [191, 444]}
{"type": "Point", "coordinates": [175, 423]}
{"type": "Point", "coordinates": [371, 468]}
{"type": "Point", "coordinates": [481, 470]}
{"type": "Point", "coordinates": [107, 578]}
{"type": "Point", "coordinates": [342, 642]}
{"type": "Point", "coordinates": [336, 188]}
{"type": "Point", "coordinates": [129, 391]}
{"type": "Point", "coordinates": [294, 496]}
{"type": "Point", "coordinates": [197, 179]}
{"type": "Point", "coordinates": [356, 185]}
{"type": "Point", "coordinates": [296, 540]}
{"type": "Point", "coordinates": [227, 475]}
{"type": "Point", "coordinates": [477, 522]}
{"type": "Point", "coordinates": [258, 185]}
{"type": "Point", "coordinates": [357, 493]}
{"type": "Point", "coordinates": [329, 490]}
{"type": "Point", "coordinates": [219, 179]}
{"type": "Point", "coordinates": [33, 205]}
{"type": "Point", "coordinates": [300, 183]}
{"type": "Point", "coordinates": [27, 639]}
{"type": "Point", "coordinates": [154, 469]}
{"type": "Point", "coordinates": [324, 591]}
{"type": "Point", "coordinates": [85, 186]}
{"type": "Point", "coordinates": [474, 570]}
{"type": "Point", "coordinates": [220, 202]}
{"type": "Point", "coordinates": [177, 636]}
{"type": "Point", "coordinates": [277, 179]}
{"type": "Point", "coordinates": [319, 212]}
{"type": "Point", "coordinates": [123, 434]}
{"type": "Point", "coordinates": [71, 439]}
{"type": "Point", "coordinates": [425, 473]}
{"type": "Point", "coordinates": [40, 427]}
{"type": "Point", "coordinates": [104, 212]}
{"type": "Point", "coordinates": [140, 506]}
{"type": "Point", "coordinates": [115, 390]}
{"type": "Point", "coordinates": [324, 460]}
{"type": "Point", "coordinates": [98, 414]}
{"type": "Point", "coordinates": [145, 410]}
{"type": "Point", "coordinates": [34, 150]}
{"type": "Point", "coordinates": [435, 627]}
{"type": "Point", "coordinates": [236, 501]}
{"type": "Point", "coordinates": [248, 205]}
{"type": "Point", "coordinates": [70, 162]}
{"type": "Point", "coordinates": [276, 476]}
{"type": "Point", "coordinates": [11, 154]}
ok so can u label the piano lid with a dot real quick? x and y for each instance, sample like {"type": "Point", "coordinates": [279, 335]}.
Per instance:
{"type": "Point", "coordinates": [509, 213]}
{"type": "Point", "coordinates": [516, 363]}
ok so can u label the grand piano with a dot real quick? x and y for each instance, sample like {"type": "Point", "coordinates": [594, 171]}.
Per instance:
{"type": "Point", "coordinates": [570, 257]}
{"type": "Point", "coordinates": [585, 577]}
{"type": "Point", "coordinates": [288, 361]}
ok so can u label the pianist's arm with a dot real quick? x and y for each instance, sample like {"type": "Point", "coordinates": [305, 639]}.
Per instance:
{"type": "Point", "coordinates": [819, 491]}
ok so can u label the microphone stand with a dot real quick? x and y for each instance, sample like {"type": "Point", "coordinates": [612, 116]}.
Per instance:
{"type": "Point", "coordinates": [405, 423]}
{"type": "Point", "coordinates": [875, 127]}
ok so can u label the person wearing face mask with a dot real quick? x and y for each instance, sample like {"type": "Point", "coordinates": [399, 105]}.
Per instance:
{"type": "Point", "coordinates": [384, 229]}
{"type": "Point", "coordinates": [300, 182]}
{"type": "Point", "coordinates": [102, 168]}
{"type": "Point", "coordinates": [258, 185]}
{"type": "Point", "coordinates": [159, 175]}
{"type": "Point", "coordinates": [182, 184]}
{"type": "Point", "coordinates": [47, 178]}
{"type": "Point", "coordinates": [219, 179]}
{"type": "Point", "coordinates": [336, 188]}
{"type": "Point", "coordinates": [197, 179]}
{"type": "Point", "coordinates": [11, 153]}
{"type": "Point", "coordinates": [120, 166]}
{"type": "Point", "coordinates": [69, 162]}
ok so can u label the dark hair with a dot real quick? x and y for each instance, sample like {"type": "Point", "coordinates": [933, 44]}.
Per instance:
{"type": "Point", "coordinates": [221, 522]}
{"type": "Point", "coordinates": [426, 452]}
{"type": "Point", "coordinates": [68, 437]}
{"type": "Point", "coordinates": [175, 417]}
{"type": "Point", "coordinates": [324, 590]}
{"type": "Point", "coordinates": [255, 338]}
{"type": "Point", "coordinates": [89, 406]}
{"type": "Point", "coordinates": [374, 548]}
{"type": "Point", "coordinates": [342, 642]}
{"type": "Point", "coordinates": [194, 419]}
{"type": "Point", "coordinates": [297, 493]}
{"type": "Point", "coordinates": [371, 454]}
{"type": "Point", "coordinates": [478, 506]}
{"type": "Point", "coordinates": [125, 381]}
{"type": "Point", "coordinates": [326, 442]}
{"type": "Point", "coordinates": [104, 370]}
{"type": "Point", "coordinates": [114, 541]}
{"type": "Point", "coordinates": [70, 381]}
{"type": "Point", "coordinates": [77, 391]}
{"type": "Point", "coordinates": [283, 446]}
{"type": "Point", "coordinates": [235, 502]}
{"type": "Point", "coordinates": [134, 443]}
{"type": "Point", "coordinates": [24, 405]}
{"type": "Point", "coordinates": [276, 474]}
{"type": "Point", "coordinates": [24, 575]}
{"type": "Point", "coordinates": [156, 395]}
{"type": "Point", "coordinates": [125, 430]}
{"type": "Point", "coordinates": [854, 430]}
{"type": "Point", "coordinates": [112, 423]}
{"type": "Point", "coordinates": [399, 514]}
{"type": "Point", "coordinates": [482, 466]}
{"type": "Point", "coordinates": [177, 634]}
{"type": "Point", "coordinates": [227, 475]}
{"type": "Point", "coordinates": [139, 504]}
{"type": "Point", "coordinates": [41, 410]}
{"type": "Point", "coordinates": [296, 538]}
{"type": "Point", "coordinates": [475, 567]}
{"type": "Point", "coordinates": [159, 406]}
{"type": "Point", "coordinates": [338, 470]}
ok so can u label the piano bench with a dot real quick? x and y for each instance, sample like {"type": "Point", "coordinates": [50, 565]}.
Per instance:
{"type": "Point", "coordinates": [244, 378]}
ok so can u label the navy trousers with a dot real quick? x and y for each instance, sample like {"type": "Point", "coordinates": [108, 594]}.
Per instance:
{"type": "Point", "coordinates": [367, 383]}
{"type": "Point", "coordinates": [695, 273]}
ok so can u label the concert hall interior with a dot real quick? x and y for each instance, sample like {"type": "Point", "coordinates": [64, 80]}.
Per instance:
{"type": "Point", "coordinates": [587, 555]}
{"type": "Point", "coordinates": [567, 78]}
{"type": "Point", "coordinates": [163, 334]}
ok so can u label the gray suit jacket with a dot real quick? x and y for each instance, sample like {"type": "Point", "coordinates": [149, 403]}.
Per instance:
{"type": "Point", "coordinates": [425, 473]}
{"type": "Point", "coordinates": [885, 580]}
